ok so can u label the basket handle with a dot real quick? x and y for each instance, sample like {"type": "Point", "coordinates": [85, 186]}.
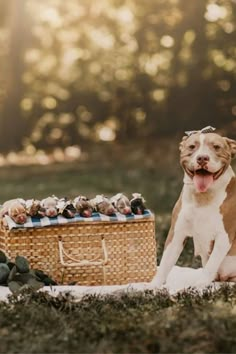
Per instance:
{"type": "Point", "coordinates": [84, 262]}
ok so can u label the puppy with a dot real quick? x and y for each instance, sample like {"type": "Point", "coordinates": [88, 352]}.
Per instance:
{"type": "Point", "coordinates": [34, 208]}
{"type": "Point", "coordinates": [66, 208]}
{"type": "Point", "coordinates": [205, 210]}
{"type": "Point", "coordinates": [137, 204]}
{"type": "Point", "coordinates": [103, 205]}
{"type": "Point", "coordinates": [16, 209]}
{"type": "Point", "coordinates": [121, 203]}
{"type": "Point", "coordinates": [83, 206]}
{"type": "Point", "coordinates": [50, 206]}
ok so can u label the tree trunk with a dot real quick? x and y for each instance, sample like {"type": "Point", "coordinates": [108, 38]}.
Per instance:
{"type": "Point", "coordinates": [11, 123]}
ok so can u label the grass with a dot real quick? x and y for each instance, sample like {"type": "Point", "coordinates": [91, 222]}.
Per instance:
{"type": "Point", "coordinates": [134, 323]}
{"type": "Point", "coordinates": [91, 179]}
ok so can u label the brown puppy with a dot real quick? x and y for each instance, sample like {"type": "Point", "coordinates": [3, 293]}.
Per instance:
{"type": "Point", "coordinates": [103, 205]}
{"type": "Point", "coordinates": [83, 206]}
{"type": "Point", "coordinates": [34, 208]}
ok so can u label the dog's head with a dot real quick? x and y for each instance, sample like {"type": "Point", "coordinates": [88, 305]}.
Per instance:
{"type": "Point", "coordinates": [17, 212]}
{"type": "Point", "coordinates": [137, 204]}
{"type": "Point", "coordinates": [103, 205]}
{"type": "Point", "coordinates": [121, 203]}
{"type": "Point", "coordinates": [50, 206]}
{"type": "Point", "coordinates": [34, 208]}
{"type": "Point", "coordinates": [83, 206]}
{"type": "Point", "coordinates": [205, 157]}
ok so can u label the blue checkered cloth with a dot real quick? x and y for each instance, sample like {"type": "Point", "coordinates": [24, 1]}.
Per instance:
{"type": "Point", "coordinates": [59, 220]}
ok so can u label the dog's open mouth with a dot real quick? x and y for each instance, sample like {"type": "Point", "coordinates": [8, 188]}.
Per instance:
{"type": "Point", "coordinates": [203, 178]}
{"type": "Point", "coordinates": [204, 172]}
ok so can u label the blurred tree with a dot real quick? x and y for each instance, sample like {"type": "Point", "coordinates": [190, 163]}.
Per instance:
{"type": "Point", "coordinates": [11, 123]}
{"type": "Point", "coordinates": [116, 70]}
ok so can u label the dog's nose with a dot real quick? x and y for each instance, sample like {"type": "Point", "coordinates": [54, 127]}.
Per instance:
{"type": "Point", "coordinates": [127, 210]}
{"type": "Point", "coordinates": [202, 159]}
{"type": "Point", "coordinates": [110, 211]}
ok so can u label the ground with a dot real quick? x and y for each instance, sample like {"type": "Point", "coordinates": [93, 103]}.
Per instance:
{"type": "Point", "coordinates": [138, 323]}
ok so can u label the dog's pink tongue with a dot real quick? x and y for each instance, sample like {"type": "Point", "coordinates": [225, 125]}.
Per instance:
{"type": "Point", "coordinates": [202, 182]}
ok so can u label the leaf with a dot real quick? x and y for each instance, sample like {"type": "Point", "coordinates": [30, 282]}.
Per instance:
{"type": "Point", "coordinates": [23, 278]}
{"type": "Point", "coordinates": [48, 281]}
{"type": "Point", "coordinates": [10, 265]}
{"type": "Point", "coordinates": [40, 274]}
{"type": "Point", "coordinates": [22, 264]}
{"type": "Point", "coordinates": [4, 273]}
{"type": "Point", "coordinates": [44, 277]}
{"type": "Point", "coordinates": [3, 257]}
{"type": "Point", "coordinates": [35, 284]}
{"type": "Point", "coordinates": [15, 286]}
{"type": "Point", "coordinates": [33, 273]}
{"type": "Point", "coordinates": [12, 273]}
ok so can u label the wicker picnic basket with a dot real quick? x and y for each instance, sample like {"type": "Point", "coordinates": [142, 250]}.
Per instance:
{"type": "Point", "coordinates": [88, 253]}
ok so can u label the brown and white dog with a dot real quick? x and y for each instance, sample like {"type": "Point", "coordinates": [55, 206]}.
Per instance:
{"type": "Point", "coordinates": [205, 210]}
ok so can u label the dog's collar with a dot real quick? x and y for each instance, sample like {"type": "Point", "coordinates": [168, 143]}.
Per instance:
{"type": "Point", "coordinates": [205, 130]}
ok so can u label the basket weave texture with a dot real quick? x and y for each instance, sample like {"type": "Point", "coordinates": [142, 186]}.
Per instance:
{"type": "Point", "coordinates": [88, 253]}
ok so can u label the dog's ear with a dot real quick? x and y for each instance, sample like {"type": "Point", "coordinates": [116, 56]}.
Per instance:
{"type": "Point", "coordinates": [181, 145]}
{"type": "Point", "coordinates": [232, 145]}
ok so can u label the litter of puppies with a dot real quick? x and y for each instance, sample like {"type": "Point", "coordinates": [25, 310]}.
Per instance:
{"type": "Point", "coordinates": [19, 209]}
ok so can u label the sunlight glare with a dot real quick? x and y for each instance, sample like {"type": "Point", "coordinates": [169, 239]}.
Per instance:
{"type": "Point", "coordinates": [72, 152]}
{"type": "Point", "coordinates": [51, 15]}
{"type": "Point", "coordinates": [102, 38]}
{"type": "Point", "coordinates": [167, 41]}
{"type": "Point", "coordinates": [26, 104]}
{"type": "Point", "coordinates": [215, 12]}
{"type": "Point", "coordinates": [49, 102]}
{"type": "Point", "coordinates": [159, 95]}
{"type": "Point", "coordinates": [189, 37]}
{"type": "Point", "coordinates": [125, 15]}
{"type": "Point", "coordinates": [106, 134]}
{"type": "Point", "coordinates": [32, 55]}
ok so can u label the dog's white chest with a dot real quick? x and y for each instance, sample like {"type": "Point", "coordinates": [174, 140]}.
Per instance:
{"type": "Point", "coordinates": [206, 225]}
{"type": "Point", "coordinates": [206, 222]}
{"type": "Point", "coordinates": [202, 221]}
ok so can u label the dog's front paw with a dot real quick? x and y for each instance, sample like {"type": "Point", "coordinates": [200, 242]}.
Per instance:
{"type": "Point", "coordinates": [182, 278]}
{"type": "Point", "coordinates": [199, 278]}
{"type": "Point", "coordinates": [203, 279]}
{"type": "Point", "coordinates": [156, 283]}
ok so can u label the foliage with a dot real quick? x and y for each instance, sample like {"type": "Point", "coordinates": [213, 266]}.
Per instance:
{"type": "Point", "coordinates": [189, 322]}
{"type": "Point", "coordinates": [76, 72]}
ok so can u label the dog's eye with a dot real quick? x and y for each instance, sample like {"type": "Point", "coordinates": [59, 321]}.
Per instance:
{"type": "Point", "coordinates": [216, 147]}
{"type": "Point", "coordinates": [192, 147]}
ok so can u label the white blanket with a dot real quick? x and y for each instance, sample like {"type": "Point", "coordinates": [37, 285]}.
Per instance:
{"type": "Point", "coordinates": [176, 281]}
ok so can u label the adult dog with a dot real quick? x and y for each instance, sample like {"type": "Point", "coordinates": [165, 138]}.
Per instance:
{"type": "Point", "coordinates": [205, 210]}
